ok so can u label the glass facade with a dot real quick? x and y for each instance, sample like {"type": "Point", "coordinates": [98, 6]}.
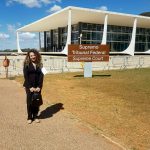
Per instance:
{"type": "Point", "coordinates": [48, 40]}
{"type": "Point", "coordinates": [91, 33]}
{"type": "Point", "coordinates": [55, 40]}
{"type": "Point", "coordinates": [118, 37]}
{"type": "Point", "coordinates": [62, 38]}
{"type": "Point", "coordinates": [142, 40]}
{"type": "Point", "coordinates": [75, 34]}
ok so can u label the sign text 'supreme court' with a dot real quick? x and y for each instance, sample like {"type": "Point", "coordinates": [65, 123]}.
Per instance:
{"type": "Point", "coordinates": [88, 53]}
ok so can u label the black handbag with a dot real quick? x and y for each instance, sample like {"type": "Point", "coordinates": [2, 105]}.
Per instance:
{"type": "Point", "coordinates": [36, 99]}
{"type": "Point", "coordinates": [36, 96]}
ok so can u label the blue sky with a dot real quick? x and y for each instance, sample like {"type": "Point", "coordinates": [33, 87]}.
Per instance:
{"type": "Point", "coordinates": [17, 13]}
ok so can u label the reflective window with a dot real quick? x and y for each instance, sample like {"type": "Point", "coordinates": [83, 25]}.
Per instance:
{"type": "Point", "coordinates": [91, 33]}
{"type": "Point", "coordinates": [118, 37]}
{"type": "Point", "coordinates": [142, 40]}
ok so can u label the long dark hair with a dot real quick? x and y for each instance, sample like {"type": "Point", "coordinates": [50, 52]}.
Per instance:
{"type": "Point", "coordinates": [38, 61]}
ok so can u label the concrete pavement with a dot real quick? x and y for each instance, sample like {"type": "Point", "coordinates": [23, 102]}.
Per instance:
{"type": "Point", "coordinates": [58, 130]}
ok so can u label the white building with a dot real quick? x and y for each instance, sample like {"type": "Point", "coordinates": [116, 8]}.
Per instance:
{"type": "Point", "coordinates": [124, 33]}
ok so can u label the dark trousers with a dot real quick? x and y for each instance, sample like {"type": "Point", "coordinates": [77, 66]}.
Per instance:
{"type": "Point", "coordinates": [32, 112]}
{"type": "Point", "coordinates": [31, 109]}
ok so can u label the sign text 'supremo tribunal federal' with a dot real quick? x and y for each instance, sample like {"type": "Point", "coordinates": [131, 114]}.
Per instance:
{"type": "Point", "coordinates": [88, 53]}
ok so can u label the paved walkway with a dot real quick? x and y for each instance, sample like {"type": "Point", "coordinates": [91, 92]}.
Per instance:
{"type": "Point", "coordinates": [58, 129]}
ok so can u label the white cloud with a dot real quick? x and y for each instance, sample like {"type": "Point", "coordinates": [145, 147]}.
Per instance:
{"type": "Point", "coordinates": [54, 9]}
{"type": "Point", "coordinates": [46, 1]}
{"type": "Point", "coordinates": [18, 24]}
{"type": "Point", "coordinates": [27, 36]}
{"type": "Point", "coordinates": [26, 40]}
{"type": "Point", "coordinates": [50, 1]}
{"type": "Point", "coordinates": [32, 3]}
{"type": "Point", "coordinates": [4, 36]}
{"type": "Point", "coordinates": [32, 42]}
{"type": "Point", "coordinates": [8, 3]}
{"type": "Point", "coordinates": [28, 3]}
{"type": "Point", "coordinates": [102, 8]}
{"type": "Point", "coordinates": [11, 28]}
{"type": "Point", "coordinates": [58, 1]}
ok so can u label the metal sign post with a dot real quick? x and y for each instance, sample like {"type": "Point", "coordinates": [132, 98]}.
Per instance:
{"type": "Point", "coordinates": [88, 70]}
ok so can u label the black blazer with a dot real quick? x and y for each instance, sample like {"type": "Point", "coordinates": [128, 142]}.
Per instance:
{"type": "Point", "coordinates": [33, 77]}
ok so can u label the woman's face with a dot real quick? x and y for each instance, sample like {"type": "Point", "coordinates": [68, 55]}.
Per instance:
{"type": "Point", "coordinates": [32, 56]}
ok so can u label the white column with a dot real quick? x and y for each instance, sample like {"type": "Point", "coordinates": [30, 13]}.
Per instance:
{"type": "Point", "coordinates": [18, 45]}
{"type": "Point", "coordinates": [131, 48]}
{"type": "Point", "coordinates": [65, 51]}
{"type": "Point", "coordinates": [104, 38]}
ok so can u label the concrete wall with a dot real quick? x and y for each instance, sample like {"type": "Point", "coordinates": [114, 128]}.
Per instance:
{"type": "Point", "coordinates": [59, 64]}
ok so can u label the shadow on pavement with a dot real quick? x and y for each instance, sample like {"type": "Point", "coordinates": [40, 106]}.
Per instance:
{"type": "Point", "coordinates": [49, 111]}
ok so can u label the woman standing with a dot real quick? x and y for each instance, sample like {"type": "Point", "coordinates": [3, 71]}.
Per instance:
{"type": "Point", "coordinates": [33, 83]}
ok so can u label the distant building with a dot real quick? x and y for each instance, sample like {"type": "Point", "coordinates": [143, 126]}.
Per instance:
{"type": "Point", "coordinates": [124, 33]}
{"type": "Point", "coordinates": [145, 14]}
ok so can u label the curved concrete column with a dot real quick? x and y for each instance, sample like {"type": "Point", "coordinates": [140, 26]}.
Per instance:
{"type": "Point", "coordinates": [18, 45]}
{"type": "Point", "coordinates": [65, 51]}
{"type": "Point", "coordinates": [131, 48]}
{"type": "Point", "coordinates": [146, 52]}
{"type": "Point", "coordinates": [104, 38]}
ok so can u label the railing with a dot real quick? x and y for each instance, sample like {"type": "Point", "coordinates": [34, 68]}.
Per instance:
{"type": "Point", "coordinates": [60, 64]}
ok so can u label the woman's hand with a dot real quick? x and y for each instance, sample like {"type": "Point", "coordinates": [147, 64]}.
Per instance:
{"type": "Point", "coordinates": [32, 89]}
{"type": "Point", "coordinates": [37, 89]}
